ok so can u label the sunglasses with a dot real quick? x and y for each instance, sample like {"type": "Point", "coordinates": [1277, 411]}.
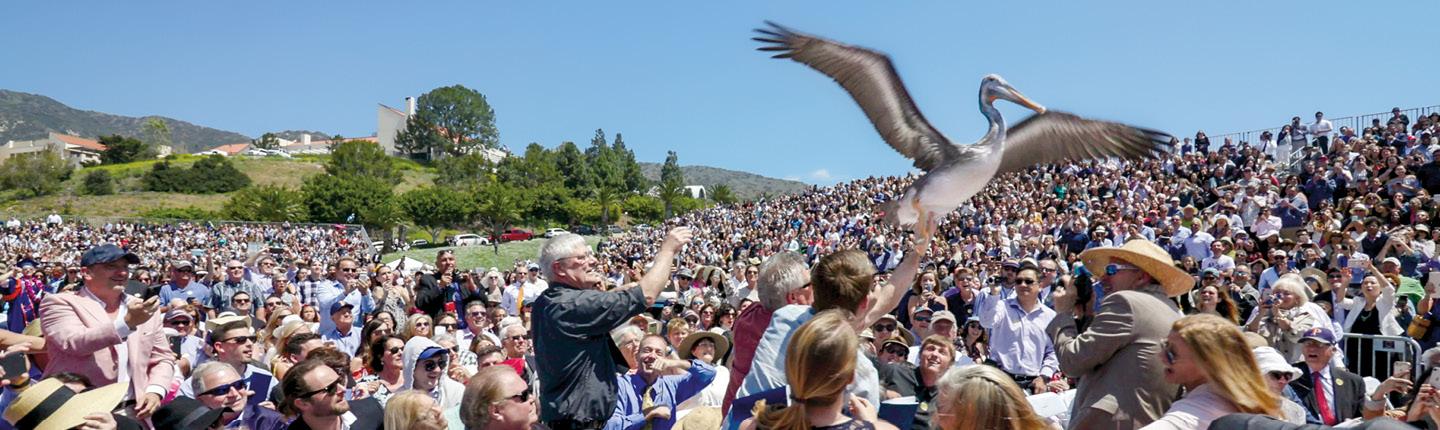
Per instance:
{"type": "Point", "coordinates": [1026, 281]}
{"type": "Point", "coordinates": [883, 327]}
{"type": "Point", "coordinates": [350, 270]}
{"type": "Point", "coordinates": [919, 318]}
{"type": "Point", "coordinates": [240, 340]}
{"type": "Point", "coordinates": [272, 304]}
{"type": "Point", "coordinates": [1113, 268]}
{"type": "Point", "coordinates": [395, 350]}
{"type": "Point", "coordinates": [240, 385]}
{"type": "Point", "coordinates": [179, 321]}
{"type": "Point", "coordinates": [1279, 376]}
{"type": "Point", "coordinates": [518, 337]}
{"type": "Point", "coordinates": [431, 365]}
{"type": "Point", "coordinates": [331, 389]}
{"type": "Point", "coordinates": [242, 301]}
{"type": "Point", "coordinates": [901, 351]}
{"type": "Point", "coordinates": [523, 397]}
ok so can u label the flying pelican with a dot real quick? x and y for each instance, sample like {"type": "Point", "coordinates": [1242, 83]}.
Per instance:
{"type": "Point", "coordinates": [954, 173]}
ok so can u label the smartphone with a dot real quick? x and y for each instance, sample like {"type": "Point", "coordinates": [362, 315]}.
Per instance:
{"type": "Point", "coordinates": [1401, 368]}
{"type": "Point", "coordinates": [175, 344]}
{"type": "Point", "coordinates": [14, 366]}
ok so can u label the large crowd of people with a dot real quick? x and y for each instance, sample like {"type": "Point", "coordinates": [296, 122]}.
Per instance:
{"type": "Point", "coordinates": [1281, 282]}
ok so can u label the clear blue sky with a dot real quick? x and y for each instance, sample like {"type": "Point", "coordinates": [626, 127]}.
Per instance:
{"type": "Point", "coordinates": [684, 75]}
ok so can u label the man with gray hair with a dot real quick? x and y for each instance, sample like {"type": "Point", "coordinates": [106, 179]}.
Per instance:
{"type": "Point", "coordinates": [571, 324]}
{"type": "Point", "coordinates": [782, 280]}
{"type": "Point", "coordinates": [216, 385]}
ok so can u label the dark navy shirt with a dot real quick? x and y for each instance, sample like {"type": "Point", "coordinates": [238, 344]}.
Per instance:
{"type": "Point", "coordinates": [574, 355]}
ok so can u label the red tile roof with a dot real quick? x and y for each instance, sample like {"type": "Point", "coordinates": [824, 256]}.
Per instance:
{"type": "Point", "coordinates": [79, 141]}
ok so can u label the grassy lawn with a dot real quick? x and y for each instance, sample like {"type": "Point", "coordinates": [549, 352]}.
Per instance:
{"type": "Point", "coordinates": [469, 257]}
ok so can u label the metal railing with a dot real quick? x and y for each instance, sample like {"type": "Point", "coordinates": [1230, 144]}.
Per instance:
{"type": "Point", "coordinates": [1356, 122]}
{"type": "Point", "coordinates": [1375, 356]}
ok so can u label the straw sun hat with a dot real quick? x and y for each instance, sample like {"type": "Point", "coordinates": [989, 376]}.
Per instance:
{"type": "Point", "coordinates": [1148, 257]}
{"type": "Point", "coordinates": [721, 345]}
{"type": "Point", "coordinates": [50, 405]}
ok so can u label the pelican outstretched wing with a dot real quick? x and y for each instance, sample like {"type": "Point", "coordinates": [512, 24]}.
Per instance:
{"type": "Point", "coordinates": [871, 80]}
{"type": "Point", "coordinates": [1058, 136]}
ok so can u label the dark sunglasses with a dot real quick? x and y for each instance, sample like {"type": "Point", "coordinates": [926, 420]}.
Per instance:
{"type": "Point", "coordinates": [431, 365]}
{"type": "Point", "coordinates": [882, 327]}
{"type": "Point", "coordinates": [919, 318]}
{"type": "Point", "coordinates": [241, 340]}
{"type": "Point", "coordinates": [272, 304]}
{"type": "Point", "coordinates": [395, 350]}
{"type": "Point", "coordinates": [1026, 281]}
{"type": "Point", "coordinates": [331, 389]}
{"type": "Point", "coordinates": [350, 270]}
{"type": "Point", "coordinates": [517, 337]}
{"type": "Point", "coordinates": [240, 385]}
{"type": "Point", "coordinates": [1279, 376]}
{"type": "Point", "coordinates": [901, 351]}
{"type": "Point", "coordinates": [523, 397]}
{"type": "Point", "coordinates": [179, 321]}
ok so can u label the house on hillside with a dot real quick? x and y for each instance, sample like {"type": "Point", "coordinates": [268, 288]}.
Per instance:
{"type": "Point", "coordinates": [75, 149]}
{"type": "Point", "coordinates": [694, 191]}
{"type": "Point", "coordinates": [391, 121]}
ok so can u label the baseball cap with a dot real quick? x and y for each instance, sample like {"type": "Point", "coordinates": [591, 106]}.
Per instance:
{"type": "Point", "coordinates": [1319, 334]}
{"type": "Point", "coordinates": [338, 305]}
{"type": "Point", "coordinates": [106, 253]}
{"type": "Point", "coordinates": [1393, 260]}
{"type": "Point", "coordinates": [943, 315]}
{"type": "Point", "coordinates": [177, 313]}
{"type": "Point", "coordinates": [685, 273]}
{"type": "Point", "coordinates": [183, 264]}
{"type": "Point", "coordinates": [1210, 272]}
{"type": "Point", "coordinates": [431, 352]}
{"type": "Point", "coordinates": [533, 267]}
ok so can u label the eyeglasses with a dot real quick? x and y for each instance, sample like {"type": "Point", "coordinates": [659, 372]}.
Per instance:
{"type": "Point", "coordinates": [925, 318]}
{"type": "Point", "coordinates": [179, 321]}
{"type": "Point", "coordinates": [517, 338]}
{"type": "Point", "coordinates": [240, 340]}
{"type": "Point", "coordinates": [395, 350]}
{"type": "Point", "coordinates": [1023, 281]}
{"type": "Point", "coordinates": [523, 397]}
{"type": "Point", "coordinates": [431, 365]}
{"type": "Point", "coordinates": [240, 385]}
{"type": "Point", "coordinates": [350, 270]}
{"type": "Point", "coordinates": [1279, 376]}
{"type": "Point", "coordinates": [422, 324]}
{"type": "Point", "coordinates": [480, 314]}
{"type": "Point", "coordinates": [447, 326]}
{"type": "Point", "coordinates": [235, 268]}
{"type": "Point", "coordinates": [271, 304]}
{"type": "Point", "coordinates": [331, 389]}
{"type": "Point", "coordinates": [882, 327]}
{"type": "Point", "coordinates": [241, 300]}
{"type": "Point", "coordinates": [899, 350]}
{"type": "Point", "coordinates": [1113, 268]}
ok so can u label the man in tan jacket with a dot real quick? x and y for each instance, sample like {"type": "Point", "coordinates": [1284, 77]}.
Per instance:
{"type": "Point", "coordinates": [1117, 357]}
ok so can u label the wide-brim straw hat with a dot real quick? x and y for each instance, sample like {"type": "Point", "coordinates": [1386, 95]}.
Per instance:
{"type": "Point", "coordinates": [1148, 257]}
{"type": "Point", "coordinates": [721, 345]}
{"type": "Point", "coordinates": [50, 405]}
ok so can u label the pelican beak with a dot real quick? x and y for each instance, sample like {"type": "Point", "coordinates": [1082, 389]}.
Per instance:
{"type": "Point", "coordinates": [1025, 101]}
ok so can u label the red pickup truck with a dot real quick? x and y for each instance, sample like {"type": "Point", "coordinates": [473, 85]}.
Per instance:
{"type": "Point", "coordinates": [514, 234]}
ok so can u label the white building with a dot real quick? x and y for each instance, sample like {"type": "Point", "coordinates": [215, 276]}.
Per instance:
{"type": "Point", "coordinates": [77, 150]}
{"type": "Point", "coordinates": [391, 121]}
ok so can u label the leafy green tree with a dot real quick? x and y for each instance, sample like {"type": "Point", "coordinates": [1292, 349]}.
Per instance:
{"type": "Point", "coordinates": [266, 141]}
{"type": "Point", "coordinates": [534, 169]}
{"type": "Point", "coordinates": [266, 203]}
{"type": "Point", "coordinates": [98, 182]}
{"type": "Point", "coordinates": [452, 121]}
{"type": "Point", "coordinates": [607, 198]}
{"type": "Point", "coordinates": [630, 169]}
{"type": "Point", "coordinates": [497, 207]}
{"type": "Point", "coordinates": [157, 132]}
{"type": "Point", "coordinates": [436, 208]}
{"type": "Point", "coordinates": [574, 166]}
{"type": "Point", "coordinates": [465, 172]}
{"type": "Point", "coordinates": [646, 208]}
{"type": "Point", "coordinates": [35, 174]}
{"type": "Point", "coordinates": [120, 149]}
{"type": "Point", "coordinates": [672, 183]}
{"type": "Point", "coordinates": [722, 194]}
{"type": "Point", "coordinates": [362, 158]}
{"type": "Point", "coordinates": [350, 199]}
{"type": "Point", "coordinates": [212, 174]}
{"type": "Point", "coordinates": [186, 213]}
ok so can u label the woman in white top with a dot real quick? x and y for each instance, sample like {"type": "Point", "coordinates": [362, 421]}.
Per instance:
{"type": "Point", "coordinates": [1285, 312]}
{"type": "Point", "coordinates": [1376, 301]}
{"type": "Point", "coordinates": [1209, 357]}
{"type": "Point", "coordinates": [705, 346]}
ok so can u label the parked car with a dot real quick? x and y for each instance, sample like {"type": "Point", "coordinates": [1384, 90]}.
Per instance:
{"type": "Point", "coordinates": [468, 239]}
{"type": "Point", "coordinates": [641, 228]}
{"type": "Point", "coordinates": [419, 243]}
{"type": "Point", "coordinates": [514, 234]}
{"type": "Point", "coordinates": [552, 232]}
{"type": "Point", "coordinates": [583, 229]}
{"type": "Point", "coordinates": [614, 229]}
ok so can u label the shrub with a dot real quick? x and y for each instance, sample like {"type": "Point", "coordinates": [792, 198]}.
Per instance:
{"type": "Point", "coordinates": [99, 183]}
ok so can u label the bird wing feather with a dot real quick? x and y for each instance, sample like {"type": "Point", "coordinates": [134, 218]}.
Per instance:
{"type": "Point", "coordinates": [871, 80]}
{"type": "Point", "coordinates": [1056, 136]}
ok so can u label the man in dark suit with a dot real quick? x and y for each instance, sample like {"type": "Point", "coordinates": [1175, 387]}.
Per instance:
{"type": "Point", "coordinates": [434, 290]}
{"type": "Point", "coordinates": [1328, 392]}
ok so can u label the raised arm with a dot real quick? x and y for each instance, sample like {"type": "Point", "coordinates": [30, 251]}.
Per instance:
{"type": "Point", "coordinates": [653, 283]}
{"type": "Point", "coordinates": [890, 294]}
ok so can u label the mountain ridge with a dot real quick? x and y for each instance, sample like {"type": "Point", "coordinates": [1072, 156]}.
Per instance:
{"type": "Point", "coordinates": [26, 116]}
